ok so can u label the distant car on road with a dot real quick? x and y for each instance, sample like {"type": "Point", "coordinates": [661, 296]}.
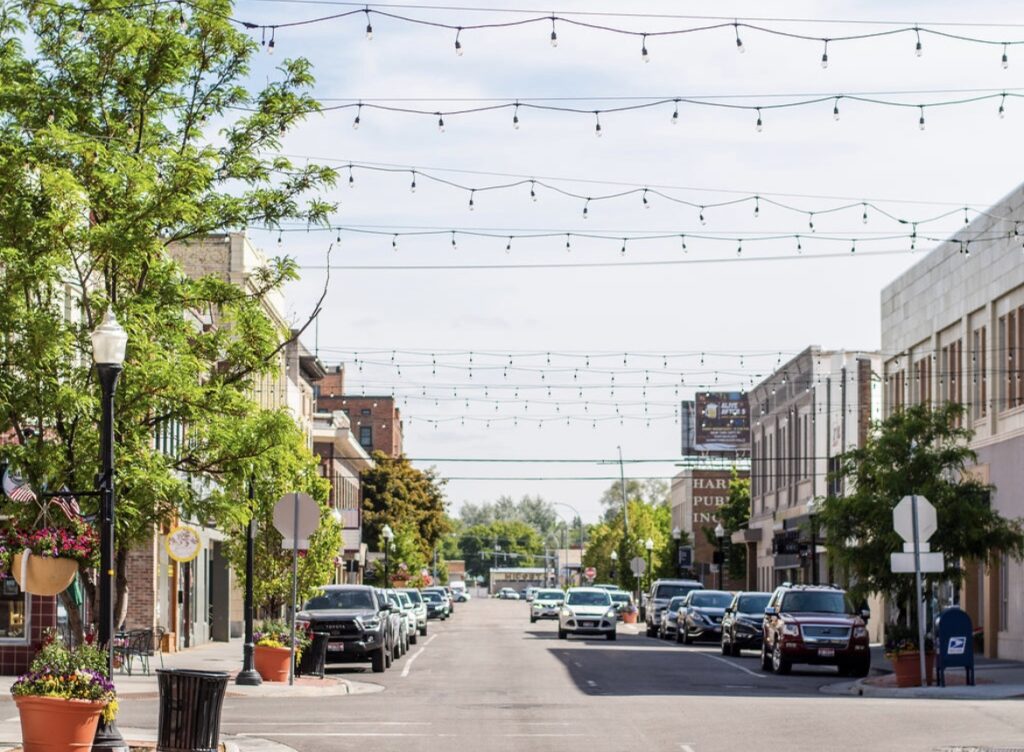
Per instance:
{"type": "Point", "coordinates": [508, 594]}
{"type": "Point", "coordinates": [700, 616]}
{"type": "Point", "coordinates": [668, 625]}
{"type": "Point", "coordinates": [359, 621]}
{"type": "Point", "coordinates": [743, 622]}
{"type": "Point", "coordinates": [662, 591]}
{"type": "Point", "coordinates": [587, 611]}
{"type": "Point", "coordinates": [446, 594]}
{"type": "Point", "coordinates": [606, 586]}
{"type": "Point", "coordinates": [546, 604]}
{"type": "Point", "coordinates": [817, 625]}
{"type": "Point", "coordinates": [420, 607]}
{"type": "Point", "coordinates": [437, 604]}
{"type": "Point", "coordinates": [620, 599]}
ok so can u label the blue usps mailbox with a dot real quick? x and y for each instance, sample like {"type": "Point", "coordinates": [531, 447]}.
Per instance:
{"type": "Point", "coordinates": [955, 643]}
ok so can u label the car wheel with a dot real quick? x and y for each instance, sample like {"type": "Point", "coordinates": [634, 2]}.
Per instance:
{"type": "Point", "coordinates": [726, 646]}
{"type": "Point", "coordinates": [562, 634]}
{"type": "Point", "coordinates": [766, 661]}
{"type": "Point", "coordinates": [651, 631]}
{"type": "Point", "coordinates": [734, 650]}
{"type": "Point", "coordinates": [611, 636]}
{"type": "Point", "coordinates": [861, 669]}
{"type": "Point", "coordinates": [423, 630]}
{"type": "Point", "coordinates": [413, 639]}
{"type": "Point", "coordinates": [377, 661]}
{"type": "Point", "coordinates": [389, 657]}
{"type": "Point", "coordinates": [780, 665]}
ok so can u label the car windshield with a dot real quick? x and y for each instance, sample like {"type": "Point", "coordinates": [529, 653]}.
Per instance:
{"type": "Point", "coordinates": [414, 596]}
{"type": "Point", "coordinates": [710, 600]}
{"type": "Point", "coordinates": [549, 595]}
{"type": "Point", "coordinates": [825, 602]}
{"type": "Point", "coordinates": [752, 604]}
{"type": "Point", "coordinates": [620, 597]}
{"type": "Point", "coordinates": [393, 598]}
{"type": "Point", "coordinates": [432, 597]}
{"type": "Point", "coordinates": [675, 603]}
{"type": "Point", "coordinates": [667, 592]}
{"type": "Point", "coordinates": [342, 599]}
{"type": "Point", "coordinates": [404, 599]}
{"type": "Point", "coordinates": [589, 598]}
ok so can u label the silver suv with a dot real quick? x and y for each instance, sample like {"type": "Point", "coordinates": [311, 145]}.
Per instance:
{"type": "Point", "coordinates": [663, 591]}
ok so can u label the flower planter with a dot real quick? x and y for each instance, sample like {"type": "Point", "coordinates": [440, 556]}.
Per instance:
{"type": "Point", "coordinates": [272, 663]}
{"type": "Point", "coordinates": [43, 575]}
{"type": "Point", "coordinates": [53, 724]}
{"type": "Point", "coordinates": [907, 667]}
{"type": "Point", "coordinates": [629, 617]}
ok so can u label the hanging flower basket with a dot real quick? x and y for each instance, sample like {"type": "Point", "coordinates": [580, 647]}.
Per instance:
{"type": "Point", "coordinates": [43, 575]}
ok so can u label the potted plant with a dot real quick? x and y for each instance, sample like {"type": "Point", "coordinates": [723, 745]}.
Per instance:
{"type": "Point", "coordinates": [61, 698]}
{"type": "Point", "coordinates": [272, 651]}
{"type": "Point", "coordinates": [629, 613]}
{"type": "Point", "coordinates": [45, 560]}
{"type": "Point", "coordinates": [901, 648]}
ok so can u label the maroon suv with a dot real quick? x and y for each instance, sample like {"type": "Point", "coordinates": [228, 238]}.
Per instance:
{"type": "Point", "coordinates": [814, 624]}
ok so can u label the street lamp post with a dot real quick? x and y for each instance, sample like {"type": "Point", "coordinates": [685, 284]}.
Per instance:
{"type": "Point", "coordinates": [812, 509]}
{"type": "Point", "coordinates": [615, 559]}
{"type": "Point", "coordinates": [649, 545]}
{"type": "Point", "coordinates": [389, 536]}
{"type": "Point", "coordinates": [249, 676]}
{"type": "Point", "coordinates": [109, 341]}
{"type": "Point", "coordinates": [720, 535]}
{"type": "Point", "coordinates": [677, 536]}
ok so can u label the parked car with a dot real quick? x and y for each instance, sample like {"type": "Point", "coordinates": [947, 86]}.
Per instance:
{"type": "Point", "coordinates": [620, 599]}
{"type": "Point", "coordinates": [358, 620]}
{"type": "Point", "coordinates": [546, 604]}
{"type": "Point", "coordinates": [528, 593]}
{"type": "Point", "coordinates": [446, 595]}
{"type": "Point", "coordinates": [662, 591]}
{"type": "Point", "coordinates": [508, 594]}
{"type": "Point", "coordinates": [668, 625]}
{"type": "Point", "coordinates": [461, 596]}
{"type": "Point", "coordinates": [743, 622]}
{"type": "Point", "coordinates": [412, 626]}
{"type": "Point", "coordinates": [700, 617]}
{"type": "Point", "coordinates": [818, 625]}
{"type": "Point", "coordinates": [420, 607]}
{"type": "Point", "coordinates": [437, 604]}
{"type": "Point", "coordinates": [401, 624]}
{"type": "Point", "coordinates": [587, 611]}
{"type": "Point", "coordinates": [606, 586]}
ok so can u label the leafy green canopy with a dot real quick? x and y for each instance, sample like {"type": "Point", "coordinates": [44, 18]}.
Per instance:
{"type": "Point", "coordinates": [106, 158]}
{"type": "Point", "coordinates": [922, 451]}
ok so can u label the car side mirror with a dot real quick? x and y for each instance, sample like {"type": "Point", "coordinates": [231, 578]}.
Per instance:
{"type": "Point", "coordinates": [771, 611]}
{"type": "Point", "coordinates": [865, 614]}
{"type": "Point", "coordinates": [385, 608]}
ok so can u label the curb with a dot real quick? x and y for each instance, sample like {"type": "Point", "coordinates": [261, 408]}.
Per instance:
{"type": "Point", "coordinates": [860, 688]}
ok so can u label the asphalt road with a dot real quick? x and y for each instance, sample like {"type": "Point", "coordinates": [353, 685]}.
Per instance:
{"type": "Point", "coordinates": [488, 680]}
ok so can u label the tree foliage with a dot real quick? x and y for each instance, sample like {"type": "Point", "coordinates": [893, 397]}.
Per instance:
{"type": "Point", "coordinates": [107, 157]}
{"type": "Point", "coordinates": [735, 514]}
{"type": "Point", "coordinates": [917, 450]}
{"type": "Point", "coordinates": [651, 492]}
{"type": "Point", "coordinates": [502, 543]}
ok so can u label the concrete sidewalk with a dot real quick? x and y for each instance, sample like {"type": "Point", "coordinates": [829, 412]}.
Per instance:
{"type": "Point", "coordinates": [10, 739]}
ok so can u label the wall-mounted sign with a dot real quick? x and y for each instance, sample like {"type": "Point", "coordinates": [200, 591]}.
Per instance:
{"type": "Point", "coordinates": [716, 422]}
{"type": "Point", "coordinates": [183, 543]}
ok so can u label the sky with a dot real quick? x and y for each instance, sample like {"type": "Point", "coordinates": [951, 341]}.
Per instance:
{"type": "Point", "coordinates": [619, 344]}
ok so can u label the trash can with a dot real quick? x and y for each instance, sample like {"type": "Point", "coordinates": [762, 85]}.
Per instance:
{"type": "Point", "coordinates": [314, 658]}
{"type": "Point", "coordinates": [190, 705]}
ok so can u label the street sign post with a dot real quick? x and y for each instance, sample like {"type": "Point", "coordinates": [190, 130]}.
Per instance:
{"type": "Point", "coordinates": [296, 517]}
{"type": "Point", "coordinates": [590, 573]}
{"type": "Point", "coordinates": [637, 566]}
{"type": "Point", "coordinates": [915, 520]}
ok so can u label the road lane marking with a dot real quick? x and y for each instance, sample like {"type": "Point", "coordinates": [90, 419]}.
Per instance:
{"type": "Point", "coordinates": [417, 654]}
{"type": "Point", "coordinates": [685, 747]}
{"type": "Point", "coordinates": [430, 639]}
{"type": "Point", "coordinates": [730, 663]}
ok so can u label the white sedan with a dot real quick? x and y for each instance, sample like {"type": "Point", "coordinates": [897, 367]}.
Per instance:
{"type": "Point", "coordinates": [587, 611]}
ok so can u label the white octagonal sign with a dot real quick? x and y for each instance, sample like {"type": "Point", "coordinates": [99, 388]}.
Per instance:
{"type": "Point", "coordinates": [903, 519]}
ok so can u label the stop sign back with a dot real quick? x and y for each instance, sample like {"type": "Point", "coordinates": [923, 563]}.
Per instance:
{"type": "Point", "coordinates": [590, 573]}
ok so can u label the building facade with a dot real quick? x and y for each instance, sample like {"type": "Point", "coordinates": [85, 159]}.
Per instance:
{"type": "Point", "coordinates": [697, 494]}
{"type": "Point", "coordinates": [953, 331]}
{"type": "Point", "coordinates": [376, 420]}
{"type": "Point", "coordinates": [811, 410]}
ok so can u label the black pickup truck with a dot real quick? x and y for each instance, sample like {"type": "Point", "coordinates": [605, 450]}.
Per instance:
{"type": "Point", "coordinates": [358, 620]}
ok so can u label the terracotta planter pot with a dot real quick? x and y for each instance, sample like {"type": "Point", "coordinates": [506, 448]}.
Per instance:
{"type": "Point", "coordinates": [628, 617]}
{"type": "Point", "coordinates": [907, 667]}
{"type": "Point", "coordinates": [44, 575]}
{"type": "Point", "coordinates": [52, 724]}
{"type": "Point", "coordinates": [272, 663]}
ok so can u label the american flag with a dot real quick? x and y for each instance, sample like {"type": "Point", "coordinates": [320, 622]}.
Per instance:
{"type": "Point", "coordinates": [16, 489]}
{"type": "Point", "coordinates": [68, 504]}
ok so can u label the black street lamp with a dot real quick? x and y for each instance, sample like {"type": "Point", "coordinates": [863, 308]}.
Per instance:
{"type": "Point", "coordinates": [388, 537]}
{"type": "Point", "coordinates": [615, 559]}
{"type": "Point", "coordinates": [812, 509]}
{"type": "Point", "coordinates": [109, 341]}
{"type": "Point", "coordinates": [677, 536]}
{"type": "Point", "coordinates": [720, 535]}
{"type": "Point", "coordinates": [649, 545]}
{"type": "Point", "coordinates": [249, 676]}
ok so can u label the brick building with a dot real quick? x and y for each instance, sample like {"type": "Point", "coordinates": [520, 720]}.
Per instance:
{"type": "Point", "coordinates": [376, 420]}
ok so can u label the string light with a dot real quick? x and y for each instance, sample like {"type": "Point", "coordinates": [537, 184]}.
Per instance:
{"type": "Point", "coordinates": [533, 190]}
{"type": "Point", "coordinates": [623, 251]}
{"type": "Point", "coordinates": [1002, 107]}
{"type": "Point", "coordinates": [1006, 60]}
{"type": "Point", "coordinates": [458, 43]}
{"type": "Point", "coordinates": [920, 122]}
{"type": "Point", "coordinates": [760, 125]}
{"type": "Point", "coordinates": [757, 207]}
{"type": "Point", "coordinates": [454, 247]}
{"type": "Point", "coordinates": [508, 246]}
{"type": "Point", "coordinates": [554, 34]}
{"type": "Point", "coordinates": [864, 217]}
{"type": "Point", "coordinates": [568, 245]}
{"type": "Point", "coordinates": [643, 196]}
{"type": "Point", "coordinates": [440, 122]}
{"type": "Point", "coordinates": [369, 26]}
{"type": "Point", "coordinates": [739, 42]}
{"type": "Point", "coordinates": [412, 185]}
{"type": "Point", "coordinates": [675, 114]}
{"type": "Point", "coordinates": [471, 204]}
{"type": "Point", "coordinates": [682, 240]}
{"type": "Point", "coordinates": [835, 110]}
{"type": "Point", "coordinates": [918, 49]}
{"type": "Point", "coordinates": [824, 56]}
{"type": "Point", "coordinates": [701, 216]}
{"type": "Point", "coordinates": [586, 205]}
{"type": "Point", "coordinates": [799, 247]}
{"type": "Point", "coordinates": [515, 117]}
{"type": "Point", "coordinates": [643, 50]}
{"type": "Point", "coordinates": [597, 123]}
{"type": "Point", "coordinates": [356, 120]}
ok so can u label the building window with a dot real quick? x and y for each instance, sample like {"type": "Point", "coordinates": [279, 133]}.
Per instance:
{"type": "Point", "coordinates": [951, 374]}
{"type": "Point", "coordinates": [923, 376]}
{"type": "Point", "coordinates": [366, 437]}
{"type": "Point", "coordinates": [364, 411]}
{"type": "Point", "coordinates": [1011, 345]}
{"type": "Point", "coordinates": [835, 483]}
{"type": "Point", "coordinates": [979, 374]}
{"type": "Point", "coordinates": [13, 612]}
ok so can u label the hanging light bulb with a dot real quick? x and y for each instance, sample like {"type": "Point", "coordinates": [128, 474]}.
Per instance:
{"type": "Point", "coordinates": [585, 209]}
{"type": "Point", "coordinates": [533, 192]}
{"type": "Point", "coordinates": [1002, 107]}
{"type": "Point", "coordinates": [920, 122]}
{"type": "Point", "coordinates": [515, 117]}
{"type": "Point", "coordinates": [853, 247]}
{"type": "Point", "coordinates": [440, 122]}
{"type": "Point", "coordinates": [412, 185]}
{"type": "Point", "coordinates": [675, 114]}
{"type": "Point", "coordinates": [369, 26]}
{"type": "Point", "coordinates": [554, 34]}
{"type": "Point", "coordinates": [359, 112]}
{"type": "Point", "coordinates": [454, 247]}
{"type": "Point", "coordinates": [810, 221]}
{"type": "Point", "coordinates": [757, 207]}
{"type": "Point", "coordinates": [1006, 60]}
{"type": "Point", "coordinates": [966, 218]}
{"type": "Point", "coordinates": [508, 246]}
{"type": "Point", "coordinates": [760, 125]}
{"type": "Point", "coordinates": [568, 245]}
{"type": "Point", "coordinates": [864, 216]}
{"type": "Point", "coordinates": [739, 42]}
{"type": "Point", "coordinates": [835, 109]}
{"type": "Point", "coordinates": [739, 248]}
{"type": "Point", "coordinates": [824, 56]}
{"type": "Point", "coordinates": [918, 50]}
{"type": "Point", "coordinates": [471, 205]}
{"type": "Point", "coordinates": [647, 204]}
{"type": "Point", "coordinates": [623, 251]}
{"type": "Point", "coordinates": [682, 240]}
{"type": "Point", "coordinates": [597, 124]}
{"type": "Point", "coordinates": [701, 216]}
{"type": "Point", "coordinates": [643, 50]}
{"type": "Point", "coordinates": [799, 249]}
{"type": "Point", "coordinates": [270, 44]}
{"type": "Point", "coordinates": [458, 43]}
{"type": "Point", "coordinates": [351, 178]}
{"type": "Point", "coordinates": [394, 242]}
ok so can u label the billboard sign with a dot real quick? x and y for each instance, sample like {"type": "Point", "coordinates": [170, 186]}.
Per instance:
{"type": "Point", "coordinates": [718, 422]}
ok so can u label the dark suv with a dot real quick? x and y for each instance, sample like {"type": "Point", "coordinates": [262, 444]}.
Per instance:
{"type": "Point", "coordinates": [663, 591]}
{"type": "Point", "coordinates": [814, 624]}
{"type": "Point", "coordinates": [743, 622]}
{"type": "Point", "coordinates": [358, 620]}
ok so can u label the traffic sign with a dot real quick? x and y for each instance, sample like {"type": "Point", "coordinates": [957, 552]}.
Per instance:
{"type": "Point", "coordinates": [637, 565]}
{"type": "Point", "coordinates": [686, 556]}
{"type": "Point", "coordinates": [904, 562]}
{"type": "Point", "coordinates": [903, 519]}
{"type": "Point", "coordinates": [295, 508]}
{"type": "Point", "coordinates": [590, 573]}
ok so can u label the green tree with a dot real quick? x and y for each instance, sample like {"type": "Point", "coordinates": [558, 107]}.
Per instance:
{"type": "Point", "coordinates": [397, 494]}
{"type": "Point", "coordinates": [503, 543]}
{"type": "Point", "coordinates": [107, 157]}
{"type": "Point", "coordinates": [652, 492]}
{"type": "Point", "coordinates": [917, 450]}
